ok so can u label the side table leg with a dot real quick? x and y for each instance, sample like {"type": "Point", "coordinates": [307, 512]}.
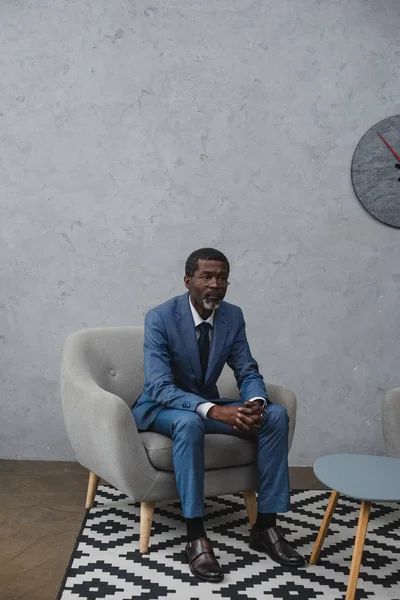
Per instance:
{"type": "Point", "coordinates": [358, 549]}
{"type": "Point", "coordinates": [323, 530]}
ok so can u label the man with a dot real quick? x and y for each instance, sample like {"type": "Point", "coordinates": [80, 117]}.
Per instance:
{"type": "Point", "coordinates": [188, 339]}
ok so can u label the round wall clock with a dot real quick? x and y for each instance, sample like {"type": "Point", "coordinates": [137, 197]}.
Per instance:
{"type": "Point", "coordinates": [375, 171]}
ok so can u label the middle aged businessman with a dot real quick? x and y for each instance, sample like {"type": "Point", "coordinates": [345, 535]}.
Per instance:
{"type": "Point", "coordinates": [188, 340]}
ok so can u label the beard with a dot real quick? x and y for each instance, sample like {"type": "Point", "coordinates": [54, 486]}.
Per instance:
{"type": "Point", "coordinates": [211, 304]}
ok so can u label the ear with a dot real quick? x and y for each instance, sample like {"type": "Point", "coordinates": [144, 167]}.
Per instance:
{"type": "Point", "coordinates": [187, 281]}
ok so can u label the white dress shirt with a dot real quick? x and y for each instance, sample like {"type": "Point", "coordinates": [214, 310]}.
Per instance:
{"type": "Point", "coordinates": [203, 408]}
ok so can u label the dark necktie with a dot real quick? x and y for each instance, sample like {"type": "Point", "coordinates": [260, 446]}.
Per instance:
{"type": "Point", "coordinates": [204, 347]}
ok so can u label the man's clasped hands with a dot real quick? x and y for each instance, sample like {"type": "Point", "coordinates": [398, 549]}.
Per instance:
{"type": "Point", "coordinates": [242, 418]}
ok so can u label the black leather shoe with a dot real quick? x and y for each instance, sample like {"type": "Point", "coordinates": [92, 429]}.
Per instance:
{"type": "Point", "coordinates": [202, 561]}
{"type": "Point", "coordinates": [272, 542]}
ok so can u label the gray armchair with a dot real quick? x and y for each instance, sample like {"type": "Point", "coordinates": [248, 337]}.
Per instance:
{"type": "Point", "coordinates": [101, 378]}
{"type": "Point", "coordinates": [391, 422]}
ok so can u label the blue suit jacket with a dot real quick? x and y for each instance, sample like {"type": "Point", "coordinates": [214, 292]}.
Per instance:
{"type": "Point", "coordinates": [172, 362]}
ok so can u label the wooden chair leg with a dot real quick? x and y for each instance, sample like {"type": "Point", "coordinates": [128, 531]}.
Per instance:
{"type": "Point", "coordinates": [92, 489]}
{"type": "Point", "coordinates": [250, 501]}
{"type": "Point", "coordinates": [358, 549]}
{"type": "Point", "coordinates": [146, 519]}
{"type": "Point", "coordinates": [323, 530]}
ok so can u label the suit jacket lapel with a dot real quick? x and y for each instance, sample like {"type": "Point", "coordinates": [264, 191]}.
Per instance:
{"type": "Point", "coordinates": [188, 334]}
{"type": "Point", "coordinates": [219, 336]}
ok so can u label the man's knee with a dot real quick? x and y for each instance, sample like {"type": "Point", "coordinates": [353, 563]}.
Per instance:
{"type": "Point", "coordinates": [276, 416]}
{"type": "Point", "coordinates": [190, 425]}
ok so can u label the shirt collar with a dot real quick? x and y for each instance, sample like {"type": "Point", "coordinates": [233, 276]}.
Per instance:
{"type": "Point", "coordinates": [197, 318]}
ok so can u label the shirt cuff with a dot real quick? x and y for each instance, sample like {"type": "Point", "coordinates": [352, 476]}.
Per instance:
{"type": "Point", "coordinates": [203, 408]}
{"type": "Point", "coordinates": [259, 398]}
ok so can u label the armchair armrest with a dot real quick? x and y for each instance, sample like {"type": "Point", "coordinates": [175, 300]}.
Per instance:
{"type": "Point", "coordinates": [102, 431]}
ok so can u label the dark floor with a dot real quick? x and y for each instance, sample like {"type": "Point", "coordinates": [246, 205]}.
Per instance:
{"type": "Point", "coordinates": [41, 510]}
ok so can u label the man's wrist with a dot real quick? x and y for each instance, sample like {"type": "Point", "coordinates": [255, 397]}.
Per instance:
{"type": "Point", "coordinates": [213, 412]}
{"type": "Point", "coordinates": [259, 400]}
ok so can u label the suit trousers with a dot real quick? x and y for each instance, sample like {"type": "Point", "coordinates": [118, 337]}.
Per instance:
{"type": "Point", "coordinates": [186, 429]}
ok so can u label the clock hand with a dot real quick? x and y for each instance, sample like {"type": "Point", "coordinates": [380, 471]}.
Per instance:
{"type": "Point", "coordinates": [397, 157]}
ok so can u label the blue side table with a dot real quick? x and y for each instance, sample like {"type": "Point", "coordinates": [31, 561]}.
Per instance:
{"type": "Point", "coordinates": [362, 477]}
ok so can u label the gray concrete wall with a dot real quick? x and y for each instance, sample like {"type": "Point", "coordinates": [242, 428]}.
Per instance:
{"type": "Point", "coordinates": [132, 133]}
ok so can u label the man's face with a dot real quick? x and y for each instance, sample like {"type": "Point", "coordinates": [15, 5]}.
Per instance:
{"type": "Point", "coordinates": [207, 287]}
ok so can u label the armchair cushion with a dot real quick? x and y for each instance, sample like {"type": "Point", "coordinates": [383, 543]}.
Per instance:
{"type": "Point", "coordinates": [220, 451]}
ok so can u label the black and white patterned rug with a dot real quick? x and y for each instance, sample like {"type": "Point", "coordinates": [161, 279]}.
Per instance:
{"type": "Point", "coordinates": [106, 563]}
